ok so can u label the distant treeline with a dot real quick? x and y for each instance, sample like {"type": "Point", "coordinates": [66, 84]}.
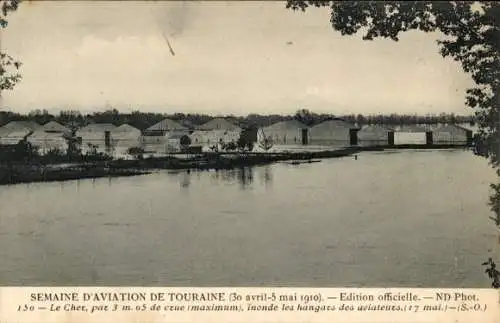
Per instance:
{"type": "Point", "coordinates": [143, 120]}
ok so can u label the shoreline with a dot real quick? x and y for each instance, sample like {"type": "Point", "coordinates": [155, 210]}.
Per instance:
{"type": "Point", "coordinates": [31, 173]}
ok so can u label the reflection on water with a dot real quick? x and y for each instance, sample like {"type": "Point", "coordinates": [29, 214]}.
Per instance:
{"type": "Point", "coordinates": [266, 175]}
{"type": "Point", "coordinates": [244, 176]}
{"type": "Point", "coordinates": [397, 219]}
{"type": "Point", "coordinates": [186, 179]}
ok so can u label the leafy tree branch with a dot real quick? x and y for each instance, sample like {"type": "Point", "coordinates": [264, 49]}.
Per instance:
{"type": "Point", "coordinates": [9, 67]}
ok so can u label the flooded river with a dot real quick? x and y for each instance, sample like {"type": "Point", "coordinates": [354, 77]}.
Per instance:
{"type": "Point", "coordinates": [406, 218]}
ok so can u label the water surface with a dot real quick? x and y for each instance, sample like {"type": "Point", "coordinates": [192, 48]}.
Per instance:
{"type": "Point", "coordinates": [405, 218]}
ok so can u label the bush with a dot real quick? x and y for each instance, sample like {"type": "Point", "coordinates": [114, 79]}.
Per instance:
{"type": "Point", "coordinates": [231, 146]}
{"type": "Point", "coordinates": [137, 152]}
{"type": "Point", "coordinates": [21, 152]}
{"type": "Point", "coordinates": [266, 143]}
{"type": "Point", "coordinates": [247, 139]}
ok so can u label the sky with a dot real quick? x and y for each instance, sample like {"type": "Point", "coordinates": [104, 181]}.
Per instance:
{"type": "Point", "coordinates": [230, 58]}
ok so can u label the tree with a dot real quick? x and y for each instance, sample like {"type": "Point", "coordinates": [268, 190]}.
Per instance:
{"type": "Point", "coordinates": [266, 142]}
{"type": "Point", "coordinates": [305, 116]}
{"type": "Point", "coordinates": [9, 67]}
{"type": "Point", "coordinates": [185, 141]}
{"type": "Point", "coordinates": [248, 136]}
{"type": "Point", "coordinates": [73, 145]}
{"type": "Point", "coordinates": [472, 37]}
{"type": "Point", "coordinates": [243, 144]}
{"type": "Point", "coordinates": [360, 119]}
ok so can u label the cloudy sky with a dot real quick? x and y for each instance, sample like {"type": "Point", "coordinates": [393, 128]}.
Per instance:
{"type": "Point", "coordinates": [229, 57]}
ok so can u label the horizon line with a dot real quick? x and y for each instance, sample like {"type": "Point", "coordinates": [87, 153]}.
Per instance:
{"type": "Point", "coordinates": [57, 111]}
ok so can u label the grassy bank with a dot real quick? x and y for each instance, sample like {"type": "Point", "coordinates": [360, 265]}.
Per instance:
{"type": "Point", "coordinates": [15, 174]}
{"type": "Point", "coordinates": [227, 160]}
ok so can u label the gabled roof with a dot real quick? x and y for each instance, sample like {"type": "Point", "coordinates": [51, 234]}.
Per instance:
{"type": "Point", "coordinates": [53, 126]}
{"type": "Point", "coordinates": [17, 134]}
{"type": "Point", "coordinates": [21, 125]}
{"type": "Point", "coordinates": [287, 125]}
{"type": "Point", "coordinates": [451, 128]}
{"type": "Point", "coordinates": [98, 127]}
{"type": "Point", "coordinates": [125, 128]}
{"type": "Point", "coordinates": [218, 124]}
{"type": "Point", "coordinates": [335, 123]}
{"type": "Point", "coordinates": [166, 125]}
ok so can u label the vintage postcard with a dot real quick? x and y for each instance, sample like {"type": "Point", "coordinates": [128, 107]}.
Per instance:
{"type": "Point", "coordinates": [209, 161]}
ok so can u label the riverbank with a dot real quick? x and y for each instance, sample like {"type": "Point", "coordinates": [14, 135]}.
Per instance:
{"type": "Point", "coordinates": [16, 174]}
{"type": "Point", "coordinates": [228, 160]}
{"type": "Point", "coordinates": [27, 173]}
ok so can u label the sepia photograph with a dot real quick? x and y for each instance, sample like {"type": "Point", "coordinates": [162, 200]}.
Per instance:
{"type": "Point", "coordinates": [249, 143]}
